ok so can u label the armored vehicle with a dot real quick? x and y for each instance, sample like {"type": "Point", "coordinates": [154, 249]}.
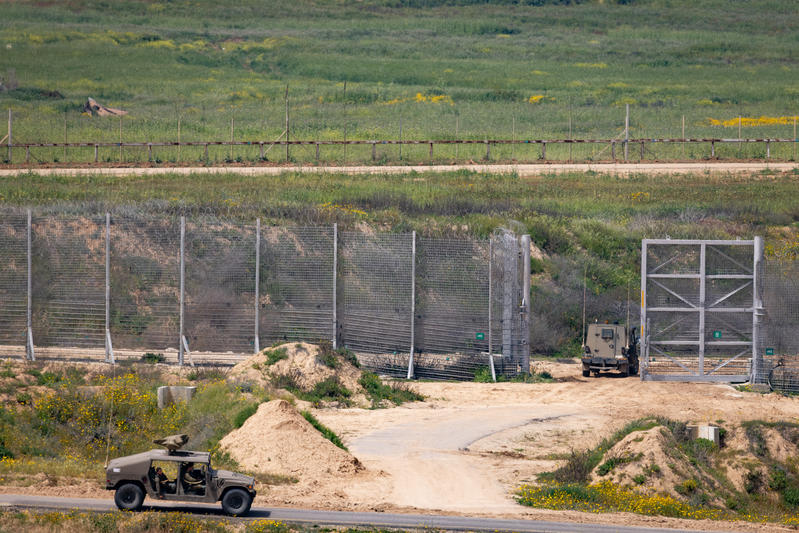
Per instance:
{"type": "Point", "coordinates": [609, 347]}
{"type": "Point", "coordinates": [177, 475]}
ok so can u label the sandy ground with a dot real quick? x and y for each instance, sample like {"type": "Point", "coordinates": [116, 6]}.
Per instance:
{"type": "Point", "coordinates": [522, 170]}
{"type": "Point", "coordinates": [465, 449]}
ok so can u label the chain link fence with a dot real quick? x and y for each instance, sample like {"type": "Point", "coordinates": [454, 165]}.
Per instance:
{"type": "Point", "coordinates": [127, 284]}
{"type": "Point", "coordinates": [779, 344]}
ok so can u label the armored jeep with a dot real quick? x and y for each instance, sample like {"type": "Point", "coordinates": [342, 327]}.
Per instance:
{"type": "Point", "coordinates": [610, 347]}
{"type": "Point", "coordinates": [187, 477]}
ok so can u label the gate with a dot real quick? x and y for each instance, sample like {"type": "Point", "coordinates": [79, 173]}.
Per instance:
{"type": "Point", "coordinates": [700, 309]}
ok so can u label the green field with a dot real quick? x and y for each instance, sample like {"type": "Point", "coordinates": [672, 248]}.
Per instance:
{"type": "Point", "coordinates": [435, 69]}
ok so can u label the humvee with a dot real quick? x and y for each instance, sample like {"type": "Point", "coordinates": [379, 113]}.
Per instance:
{"type": "Point", "coordinates": [609, 347]}
{"type": "Point", "coordinates": [134, 476]}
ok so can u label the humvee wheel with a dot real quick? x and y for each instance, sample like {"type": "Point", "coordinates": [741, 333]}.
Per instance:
{"type": "Point", "coordinates": [236, 502]}
{"type": "Point", "coordinates": [586, 373]}
{"type": "Point", "coordinates": [129, 497]}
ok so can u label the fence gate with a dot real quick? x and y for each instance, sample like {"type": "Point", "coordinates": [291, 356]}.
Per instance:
{"type": "Point", "coordinates": [700, 309]}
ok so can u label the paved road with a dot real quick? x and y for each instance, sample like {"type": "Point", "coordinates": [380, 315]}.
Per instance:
{"type": "Point", "coordinates": [336, 518]}
{"type": "Point", "coordinates": [522, 170]}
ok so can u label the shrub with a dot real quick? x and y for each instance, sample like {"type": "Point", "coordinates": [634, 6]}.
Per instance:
{"type": "Point", "coordinates": [275, 355]}
{"type": "Point", "coordinates": [577, 468]}
{"type": "Point", "coordinates": [778, 479]}
{"type": "Point", "coordinates": [244, 414]}
{"type": "Point", "coordinates": [396, 392]}
{"type": "Point", "coordinates": [688, 486]}
{"type": "Point", "coordinates": [791, 496]}
{"type": "Point", "coordinates": [483, 375]}
{"type": "Point", "coordinates": [152, 358]}
{"type": "Point", "coordinates": [639, 479]}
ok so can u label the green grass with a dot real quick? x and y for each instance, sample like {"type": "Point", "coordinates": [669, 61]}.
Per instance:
{"type": "Point", "coordinates": [396, 392]}
{"type": "Point", "coordinates": [440, 69]}
{"type": "Point", "coordinates": [324, 430]}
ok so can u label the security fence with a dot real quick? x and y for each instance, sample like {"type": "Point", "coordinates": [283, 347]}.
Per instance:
{"type": "Point", "coordinates": [718, 311]}
{"type": "Point", "coordinates": [83, 286]}
{"type": "Point", "coordinates": [779, 342]}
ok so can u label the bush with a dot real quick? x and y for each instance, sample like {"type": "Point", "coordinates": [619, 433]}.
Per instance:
{"type": "Point", "coordinates": [244, 414]}
{"type": "Point", "coordinates": [152, 358]}
{"type": "Point", "coordinates": [577, 468]}
{"type": "Point", "coordinates": [275, 355]}
{"type": "Point", "coordinates": [397, 392]}
{"type": "Point", "coordinates": [778, 479]}
{"type": "Point", "coordinates": [791, 496]}
{"type": "Point", "coordinates": [483, 375]}
{"type": "Point", "coordinates": [688, 486]}
{"type": "Point", "coordinates": [639, 479]}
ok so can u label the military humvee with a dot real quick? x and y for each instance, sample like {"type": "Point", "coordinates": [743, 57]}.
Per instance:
{"type": "Point", "coordinates": [134, 476]}
{"type": "Point", "coordinates": [609, 347]}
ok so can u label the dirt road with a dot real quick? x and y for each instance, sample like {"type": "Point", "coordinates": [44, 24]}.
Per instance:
{"type": "Point", "coordinates": [522, 170]}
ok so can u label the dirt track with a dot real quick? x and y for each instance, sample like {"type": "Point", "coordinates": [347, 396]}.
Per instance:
{"type": "Point", "coordinates": [470, 445]}
{"type": "Point", "coordinates": [522, 170]}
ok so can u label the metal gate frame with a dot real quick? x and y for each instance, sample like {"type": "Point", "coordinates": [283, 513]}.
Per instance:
{"type": "Point", "coordinates": [649, 278]}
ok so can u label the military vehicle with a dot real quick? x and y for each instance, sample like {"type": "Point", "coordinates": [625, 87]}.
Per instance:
{"type": "Point", "coordinates": [192, 479]}
{"type": "Point", "coordinates": [609, 347]}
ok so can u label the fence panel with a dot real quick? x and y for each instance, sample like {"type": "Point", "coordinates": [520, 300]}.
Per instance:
{"type": "Point", "coordinates": [69, 281]}
{"type": "Point", "coordinates": [220, 286]}
{"type": "Point", "coordinates": [13, 278]}
{"type": "Point", "coordinates": [451, 307]}
{"type": "Point", "coordinates": [145, 284]}
{"type": "Point", "coordinates": [780, 343]}
{"type": "Point", "coordinates": [376, 287]}
{"type": "Point", "coordinates": [296, 284]}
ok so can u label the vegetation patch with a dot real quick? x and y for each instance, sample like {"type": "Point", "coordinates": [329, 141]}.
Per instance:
{"type": "Point", "coordinates": [324, 430]}
{"type": "Point", "coordinates": [396, 392]}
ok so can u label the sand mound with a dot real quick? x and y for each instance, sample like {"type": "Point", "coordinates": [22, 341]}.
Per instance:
{"type": "Point", "coordinates": [278, 440]}
{"type": "Point", "coordinates": [304, 363]}
{"type": "Point", "coordinates": [641, 453]}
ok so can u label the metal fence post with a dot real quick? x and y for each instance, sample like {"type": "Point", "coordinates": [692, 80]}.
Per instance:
{"type": "Point", "coordinates": [702, 306]}
{"type": "Point", "coordinates": [109, 349]}
{"type": "Point", "coordinates": [490, 305]}
{"type": "Point", "coordinates": [29, 351]}
{"type": "Point", "coordinates": [335, 285]}
{"type": "Point", "coordinates": [182, 286]}
{"type": "Point", "coordinates": [257, 340]}
{"type": "Point", "coordinates": [642, 351]}
{"type": "Point", "coordinates": [413, 302]}
{"type": "Point", "coordinates": [10, 120]}
{"type": "Point", "coordinates": [757, 304]}
{"type": "Point", "coordinates": [525, 308]}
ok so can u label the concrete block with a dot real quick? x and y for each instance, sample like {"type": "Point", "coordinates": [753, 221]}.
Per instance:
{"type": "Point", "coordinates": [168, 395]}
{"type": "Point", "coordinates": [709, 433]}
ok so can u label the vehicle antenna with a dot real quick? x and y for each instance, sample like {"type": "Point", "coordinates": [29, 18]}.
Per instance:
{"type": "Point", "coordinates": [627, 325]}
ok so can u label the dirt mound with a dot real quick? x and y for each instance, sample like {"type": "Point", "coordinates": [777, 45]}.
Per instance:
{"type": "Point", "coordinates": [278, 440]}
{"type": "Point", "coordinates": [302, 364]}
{"type": "Point", "coordinates": [641, 457]}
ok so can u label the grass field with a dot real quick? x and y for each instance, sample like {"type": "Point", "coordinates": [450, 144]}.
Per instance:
{"type": "Point", "coordinates": [435, 69]}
